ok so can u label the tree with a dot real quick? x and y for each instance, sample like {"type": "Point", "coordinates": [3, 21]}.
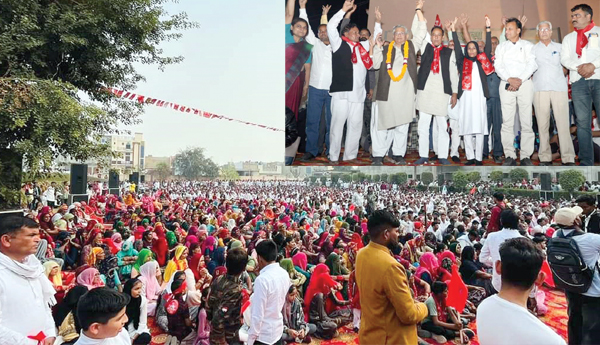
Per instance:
{"type": "Point", "coordinates": [399, 178]}
{"type": "Point", "coordinates": [459, 180]}
{"type": "Point", "coordinates": [427, 178]}
{"type": "Point", "coordinates": [346, 178]}
{"type": "Point", "coordinates": [53, 52]}
{"type": "Point", "coordinates": [518, 175]}
{"type": "Point", "coordinates": [360, 177]}
{"type": "Point", "coordinates": [335, 178]}
{"type": "Point", "coordinates": [384, 177]}
{"type": "Point", "coordinates": [228, 172]}
{"type": "Point", "coordinates": [313, 179]}
{"type": "Point", "coordinates": [474, 176]}
{"type": "Point", "coordinates": [163, 170]}
{"type": "Point", "coordinates": [497, 176]}
{"type": "Point", "coordinates": [192, 164]}
{"type": "Point", "coordinates": [571, 180]}
{"type": "Point", "coordinates": [376, 178]}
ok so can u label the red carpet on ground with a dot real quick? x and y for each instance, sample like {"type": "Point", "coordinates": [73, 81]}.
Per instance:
{"type": "Point", "coordinates": [556, 318]}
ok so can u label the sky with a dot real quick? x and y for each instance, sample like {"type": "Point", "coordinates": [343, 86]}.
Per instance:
{"type": "Point", "coordinates": [233, 66]}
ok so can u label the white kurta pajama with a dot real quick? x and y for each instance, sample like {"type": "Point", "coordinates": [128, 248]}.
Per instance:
{"type": "Point", "coordinates": [346, 106]}
{"type": "Point", "coordinates": [390, 120]}
{"type": "Point", "coordinates": [121, 339]}
{"type": "Point", "coordinates": [432, 103]}
{"type": "Point", "coordinates": [24, 303]}
{"type": "Point", "coordinates": [472, 116]}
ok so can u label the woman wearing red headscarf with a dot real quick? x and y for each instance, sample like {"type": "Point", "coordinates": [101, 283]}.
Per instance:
{"type": "Point", "coordinates": [322, 289]}
{"type": "Point", "coordinates": [160, 245]}
{"type": "Point", "coordinates": [352, 249]}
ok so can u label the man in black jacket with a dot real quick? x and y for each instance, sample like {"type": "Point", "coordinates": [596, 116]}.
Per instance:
{"type": "Point", "coordinates": [591, 218]}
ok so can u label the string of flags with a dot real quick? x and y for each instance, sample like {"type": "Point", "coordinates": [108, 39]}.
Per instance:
{"type": "Point", "coordinates": [182, 108]}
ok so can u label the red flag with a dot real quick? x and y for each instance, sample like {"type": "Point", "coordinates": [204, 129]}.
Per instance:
{"type": "Point", "coordinates": [127, 94]}
{"type": "Point", "coordinates": [196, 111]}
{"type": "Point", "coordinates": [176, 107]}
{"type": "Point", "coordinates": [546, 269]}
{"type": "Point", "coordinates": [39, 337]}
{"type": "Point", "coordinates": [182, 109]}
{"type": "Point", "coordinates": [140, 99]}
{"type": "Point", "coordinates": [132, 96]}
{"type": "Point", "coordinates": [473, 190]}
{"type": "Point", "coordinates": [457, 291]}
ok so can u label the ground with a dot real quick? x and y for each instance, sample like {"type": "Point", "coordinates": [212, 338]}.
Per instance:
{"type": "Point", "coordinates": [556, 319]}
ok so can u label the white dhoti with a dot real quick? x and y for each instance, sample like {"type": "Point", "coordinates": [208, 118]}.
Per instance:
{"type": "Point", "coordinates": [382, 139]}
{"type": "Point", "coordinates": [454, 127]}
{"type": "Point", "coordinates": [343, 111]}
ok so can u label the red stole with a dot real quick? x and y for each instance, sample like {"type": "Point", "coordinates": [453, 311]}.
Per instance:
{"type": "Point", "coordinates": [435, 65]}
{"type": "Point", "coordinates": [582, 39]}
{"type": "Point", "coordinates": [364, 54]}
{"type": "Point", "coordinates": [468, 65]}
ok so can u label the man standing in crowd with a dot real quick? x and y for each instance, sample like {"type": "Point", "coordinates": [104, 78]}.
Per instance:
{"type": "Point", "coordinates": [26, 294]}
{"type": "Point", "coordinates": [225, 300]}
{"type": "Point", "coordinates": [580, 54]}
{"type": "Point", "coordinates": [365, 138]}
{"type": "Point", "coordinates": [388, 311]}
{"type": "Point", "coordinates": [318, 90]}
{"type": "Point", "coordinates": [396, 87]}
{"type": "Point", "coordinates": [437, 84]}
{"type": "Point", "coordinates": [494, 112]}
{"type": "Point", "coordinates": [519, 266]}
{"type": "Point", "coordinates": [350, 62]}
{"type": "Point", "coordinates": [494, 224]}
{"type": "Point", "coordinates": [591, 218]}
{"type": "Point", "coordinates": [268, 298]}
{"type": "Point", "coordinates": [584, 308]}
{"type": "Point", "coordinates": [515, 64]}
{"type": "Point", "coordinates": [551, 89]}
{"type": "Point", "coordinates": [490, 253]}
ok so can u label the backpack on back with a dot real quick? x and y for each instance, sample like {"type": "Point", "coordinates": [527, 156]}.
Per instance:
{"type": "Point", "coordinates": [569, 270]}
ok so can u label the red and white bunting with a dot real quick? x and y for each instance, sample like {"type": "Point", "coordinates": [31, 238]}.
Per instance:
{"type": "Point", "coordinates": [184, 109]}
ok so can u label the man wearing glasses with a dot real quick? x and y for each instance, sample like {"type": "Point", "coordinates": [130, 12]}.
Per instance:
{"type": "Point", "coordinates": [580, 54]}
{"type": "Point", "coordinates": [550, 89]}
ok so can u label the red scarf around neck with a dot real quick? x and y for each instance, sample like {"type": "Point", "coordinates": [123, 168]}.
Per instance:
{"type": "Point", "coordinates": [582, 39]}
{"type": "Point", "coordinates": [435, 65]}
{"type": "Point", "coordinates": [364, 54]}
{"type": "Point", "coordinates": [468, 65]}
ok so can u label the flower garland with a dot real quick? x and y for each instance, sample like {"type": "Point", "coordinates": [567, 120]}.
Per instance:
{"type": "Point", "coordinates": [388, 61]}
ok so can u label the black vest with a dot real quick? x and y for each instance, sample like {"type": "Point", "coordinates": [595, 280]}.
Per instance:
{"type": "Point", "coordinates": [427, 60]}
{"type": "Point", "coordinates": [342, 69]}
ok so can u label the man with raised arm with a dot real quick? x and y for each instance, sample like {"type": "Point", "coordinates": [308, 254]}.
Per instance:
{"type": "Point", "coordinates": [396, 87]}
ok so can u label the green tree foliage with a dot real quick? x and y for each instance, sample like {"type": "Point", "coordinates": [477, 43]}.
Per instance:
{"type": "Point", "coordinates": [346, 178]}
{"type": "Point", "coordinates": [228, 172]}
{"type": "Point", "coordinates": [427, 178]}
{"type": "Point", "coordinates": [55, 54]}
{"type": "Point", "coordinates": [459, 180]}
{"type": "Point", "coordinates": [571, 180]}
{"type": "Point", "coordinates": [335, 178]}
{"type": "Point", "coordinates": [474, 176]}
{"type": "Point", "coordinates": [518, 174]}
{"type": "Point", "coordinates": [376, 178]}
{"type": "Point", "coordinates": [399, 178]}
{"type": "Point", "coordinates": [360, 177]}
{"type": "Point", "coordinates": [192, 164]}
{"type": "Point", "coordinates": [384, 177]}
{"type": "Point", "coordinates": [497, 176]}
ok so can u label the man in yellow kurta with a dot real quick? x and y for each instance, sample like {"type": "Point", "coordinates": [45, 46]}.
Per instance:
{"type": "Point", "coordinates": [389, 313]}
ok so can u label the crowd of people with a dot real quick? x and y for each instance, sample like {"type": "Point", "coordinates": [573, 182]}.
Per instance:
{"type": "Point", "coordinates": [272, 262]}
{"type": "Point", "coordinates": [501, 97]}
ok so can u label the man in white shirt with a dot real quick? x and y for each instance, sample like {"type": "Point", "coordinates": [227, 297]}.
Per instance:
{"type": "Point", "coordinates": [268, 298]}
{"type": "Point", "coordinates": [519, 265]}
{"type": "Point", "coordinates": [102, 315]}
{"type": "Point", "coordinates": [490, 253]}
{"type": "Point", "coordinates": [550, 88]}
{"type": "Point", "coordinates": [50, 195]}
{"type": "Point", "coordinates": [514, 65]}
{"type": "Point", "coordinates": [580, 54]}
{"type": "Point", "coordinates": [350, 62]}
{"type": "Point", "coordinates": [468, 239]}
{"type": "Point", "coordinates": [320, 80]}
{"type": "Point", "coordinates": [25, 293]}
{"type": "Point", "coordinates": [584, 309]}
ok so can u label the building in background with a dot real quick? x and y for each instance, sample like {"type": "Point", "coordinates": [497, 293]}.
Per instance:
{"type": "Point", "coordinates": [129, 150]}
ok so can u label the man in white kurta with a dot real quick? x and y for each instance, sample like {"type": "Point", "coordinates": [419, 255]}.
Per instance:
{"type": "Point", "coordinates": [390, 119]}
{"type": "Point", "coordinates": [25, 292]}
{"type": "Point", "coordinates": [515, 64]}
{"type": "Point", "coordinates": [346, 106]}
{"type": "Point", "coordinates": [432, 101]}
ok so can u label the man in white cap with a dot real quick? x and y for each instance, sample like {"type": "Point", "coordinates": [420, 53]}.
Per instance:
{"type": "Point", "coordinates": [584, 309]}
